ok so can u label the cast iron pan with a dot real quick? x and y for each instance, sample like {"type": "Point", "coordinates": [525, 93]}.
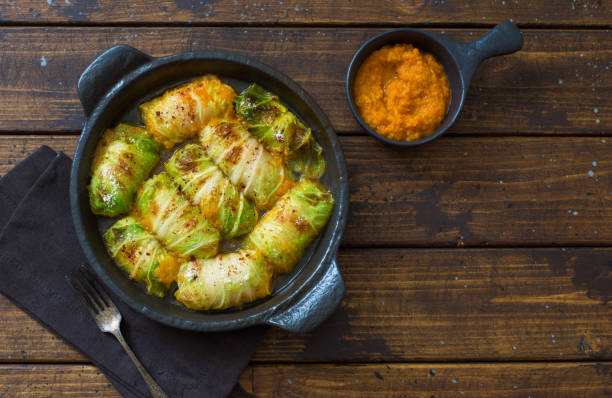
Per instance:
{"type": "Point", "coordinates": [110, 90]}
{"type": "Point", "coordinates": [460, 61]}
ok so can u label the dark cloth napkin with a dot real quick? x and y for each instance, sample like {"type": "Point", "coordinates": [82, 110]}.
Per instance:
{"type": "Point", "coordinates": [38, 246]}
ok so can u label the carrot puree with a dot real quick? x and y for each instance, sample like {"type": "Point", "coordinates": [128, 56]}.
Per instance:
{"type": "Point", "coordinates": [401, 92]}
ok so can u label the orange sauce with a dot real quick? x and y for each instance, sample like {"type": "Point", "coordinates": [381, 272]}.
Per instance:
{"type": "Point", "coordinates": [167, 269]}
{"type": "Point", "coordinates": [401, 92]}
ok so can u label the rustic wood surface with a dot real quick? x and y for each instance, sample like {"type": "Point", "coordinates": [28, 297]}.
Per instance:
{"type": "Point", "coordinates": [291, 12]}
{"type": "Point", "coordinates": [437, 380]}
{"type": "Point", "coordinates": [329, 380]}
{"type": "Point", "coordinates": [565, 74]}
{"type": "Point", "coordinates": [476, 265]}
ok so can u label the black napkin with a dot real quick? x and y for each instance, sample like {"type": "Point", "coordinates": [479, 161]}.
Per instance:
{"type": "Point", "coordinates": [38, 246]}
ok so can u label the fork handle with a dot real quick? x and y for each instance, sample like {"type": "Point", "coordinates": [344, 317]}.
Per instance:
{"type": "Point", "coordinates": [155, 389]}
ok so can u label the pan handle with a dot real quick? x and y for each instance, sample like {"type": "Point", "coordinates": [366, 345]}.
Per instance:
{"type": "Point", "coordinates": [105, 72]}
{"type": "Point", "coordinates": [315, 306]}
{"type": "Point", "coordinates": [504, 38]}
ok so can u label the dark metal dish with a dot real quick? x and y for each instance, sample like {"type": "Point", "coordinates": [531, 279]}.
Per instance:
{"type": "Point", "coordinates": [459, 60]}
{"type": "Point", "coordinates": [110, 89]}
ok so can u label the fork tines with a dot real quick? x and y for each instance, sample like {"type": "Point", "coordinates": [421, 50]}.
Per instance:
{"type": "Point", "coordinates": [85, 284]}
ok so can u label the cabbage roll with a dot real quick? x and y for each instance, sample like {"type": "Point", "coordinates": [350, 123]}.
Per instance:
{"type": "Point", "coordinates": [281, 131]}
{"type": "Point", "coordinates": [140, 254]}
{"type": "Point", "coordinates": [227, 280]}
{"type": "Point", "coordinates": [123, 159]}
{"type": "Point", "coordinates": [208, 188]}
{"type": "Point", "coordinates": [163, 210]}
{"type": "Point", "coordinates": [291, 225]}
{"type": "Point", "coordinates": [260, 176]}
{"type": "Point", "coordinates": [180, 113]}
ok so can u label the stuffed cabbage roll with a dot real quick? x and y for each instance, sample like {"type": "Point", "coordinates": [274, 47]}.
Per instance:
{"type": "Point", "coordinates": [287, 229]}
{"type": "Point", "coordinates": [180, 113]}
{"type": "Point", "coordinates": [208, 188]}
{"type": "Point", "coordinates": [260, 176]}
{"type": "Point", "coordinates": [163, 210]}
{"type": "Point", "coordinates": [123, 159]}
{"type": "Point", "coordinates": [281, 131]}
{"type": "Point", "coordinates": [227, 280]}
{"type": "Point", "coordinates": [139, 253]}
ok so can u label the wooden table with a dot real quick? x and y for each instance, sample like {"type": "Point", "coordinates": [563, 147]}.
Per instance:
{"type": "Point", "coordinates": [477, 265]}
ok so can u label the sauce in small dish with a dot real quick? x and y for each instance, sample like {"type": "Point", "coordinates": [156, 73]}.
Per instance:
{"type": "Point", "coordinates": [401, 92]}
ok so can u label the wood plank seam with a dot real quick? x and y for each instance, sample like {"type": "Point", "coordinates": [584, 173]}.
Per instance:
{"type": "Point", "coordinates": [330, 25]}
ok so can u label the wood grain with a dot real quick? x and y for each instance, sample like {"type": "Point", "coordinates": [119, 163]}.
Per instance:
{"type": "Point", "coordinates": [439, 380]}
{"type": "Point", "coordinates": [427, 304]}
{"type": "Point", "coordinates": [458, 191]}
{"type": "Point", "coordinates": [480, 191]}
{"type": "Point", "coordinates": [570, 379]}
{"type": "Point", "coordinates": [290, 12]}
{"type": "Point", "coordinates": [53, 381]}
{"type": "Point", "coordinates": [81, 381]}
{"type": "Point", "coordinates": [559, 83]}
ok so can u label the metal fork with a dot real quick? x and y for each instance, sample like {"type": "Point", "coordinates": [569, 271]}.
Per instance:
{"type": "Point", "coordinates": [108, 318]}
